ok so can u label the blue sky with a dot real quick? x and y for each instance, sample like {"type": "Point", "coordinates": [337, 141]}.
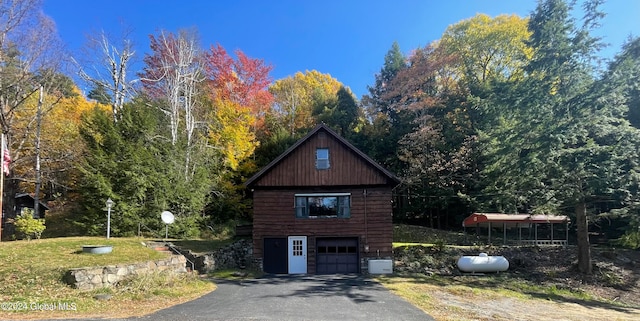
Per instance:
{"type": "Point", "coordinates": [345, 38]}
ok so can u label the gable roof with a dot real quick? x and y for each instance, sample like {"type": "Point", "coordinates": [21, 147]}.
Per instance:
{"type": "Point", "coordinates": [301, 141]}
{"type": "Point", "coordinates": [484, 219]}
{"type": "Point", "coordinates": [31, 199]}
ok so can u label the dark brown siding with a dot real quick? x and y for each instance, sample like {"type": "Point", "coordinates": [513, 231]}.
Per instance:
{"type": "Point", "coordinates": [370, 222]}
{"type": "Point", "coordinates": [299, 167]}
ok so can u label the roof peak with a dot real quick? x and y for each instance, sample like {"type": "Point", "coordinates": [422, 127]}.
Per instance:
{"type": "Point", "coordinates": [315, 130]}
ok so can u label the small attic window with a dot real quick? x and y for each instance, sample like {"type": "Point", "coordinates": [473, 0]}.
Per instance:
{"type": "Point", "coordinates": [322, 158]}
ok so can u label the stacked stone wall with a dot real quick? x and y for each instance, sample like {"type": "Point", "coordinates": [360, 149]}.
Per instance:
{"type": "Point", "coordinates": [89, 278]}
{"type": "Point", "coordinates": [238, 255]}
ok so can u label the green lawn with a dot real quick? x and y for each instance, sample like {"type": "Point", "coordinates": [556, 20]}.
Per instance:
{"type": "Point", "coordinates": [419, 234]}
{"type": "Point", "coordinates": [32, 273]}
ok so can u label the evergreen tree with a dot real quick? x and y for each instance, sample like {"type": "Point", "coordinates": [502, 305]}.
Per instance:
{"type": "Point", "coordinates": [624, 71]}
{"type": "Point", "coordinates": [386, 125]}
{"type": "Point", "coordinates": [134, 164]}
{"type": "Point", "coordinates": [340, 112]}
{"type": "Point", "coordinates": [567, 143]}
{"type": "Point", "coordinates": [376, 102]}
{"type": "Point", "coordinates": [99, 94]}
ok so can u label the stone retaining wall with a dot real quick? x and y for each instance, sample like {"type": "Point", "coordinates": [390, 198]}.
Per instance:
{"type": "Point", "coordinates": [236, 255]}
{"type": "Point", "coordinates": [89, 278]}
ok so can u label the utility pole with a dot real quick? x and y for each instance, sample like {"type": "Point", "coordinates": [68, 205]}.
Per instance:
{"type": "Point", "coordinates": [36, 197]}
{"type": "Point", "coordinates": [1, 183]}
{"type": "Point", "coordinates": [4, 170]}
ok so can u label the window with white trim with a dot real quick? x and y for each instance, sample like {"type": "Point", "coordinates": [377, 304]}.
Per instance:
{"type": "Point", "coordinates": [323, 205]}
{"type": "Point", "coordinates": [322, 158]}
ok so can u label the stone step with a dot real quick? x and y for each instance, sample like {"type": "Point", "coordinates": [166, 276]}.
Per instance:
{"type": "Point", "coordinates": [152, 244]}
{"type": "Point", "coordinates": [164, 248]}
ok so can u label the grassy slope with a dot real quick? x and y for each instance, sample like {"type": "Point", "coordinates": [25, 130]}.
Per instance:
{"type": "Point", "coordinates": [32, 273]}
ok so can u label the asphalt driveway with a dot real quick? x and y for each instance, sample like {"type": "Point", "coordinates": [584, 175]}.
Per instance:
{"type": "Point", "coordinates": [333, 297]}
{"type": "Point", "coordinates": [282, 298]}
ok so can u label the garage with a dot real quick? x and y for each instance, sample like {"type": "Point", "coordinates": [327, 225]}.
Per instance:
{"type": "Point", "coordinates": [275, 255]}
{"type": "Point", "coordinates": [337, 255]}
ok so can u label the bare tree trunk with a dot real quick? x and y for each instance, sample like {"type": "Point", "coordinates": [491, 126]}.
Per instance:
{"type": "Point", "coordinates": [110, 70]}
{"type": "Point", "coordinates": [293, 107]}
{"type": "Point", "coordinates": [584, 249]}
{"type": "Point", "coordinates": [192, 81]}
{"type": "Point", "coordinates": [179, 79]}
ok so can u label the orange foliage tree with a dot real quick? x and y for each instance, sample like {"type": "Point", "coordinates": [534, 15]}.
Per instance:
{"type": "Point", "coordinates": [238, 90]}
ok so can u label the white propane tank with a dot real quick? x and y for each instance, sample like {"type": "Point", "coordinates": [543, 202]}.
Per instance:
{"type": "Point", "coordinates": [483, 263]}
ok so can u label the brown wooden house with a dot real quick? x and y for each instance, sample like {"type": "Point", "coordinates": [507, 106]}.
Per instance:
{"type": "Point", "coordinates": [321, 207]}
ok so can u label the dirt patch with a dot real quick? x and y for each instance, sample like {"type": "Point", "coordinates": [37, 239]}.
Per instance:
{"type": "Point", "coordinates": [473, 307]}
{"type": "Point", "coordinates": [541, 284]}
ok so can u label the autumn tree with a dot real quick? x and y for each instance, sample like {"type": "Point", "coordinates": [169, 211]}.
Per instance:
{"type": "Point", "coordinates": [172, 75]}
{"type": "Point", "coordinates": [232, 132]}
{"type": "Point", "coordinates": [491, 54]}
{"type": "Point", "coordinates": [237, 89]}
{"type": "Point", "coordinates": [439, 152]}
{"type": "Point", "coordinates": [243, 81]}
{"type": "Point", "coordinates": [28, 42]}
{"type": "Point", "coordinates": [29, 59]}
{"type": "Point", "coordinates": [239, 103]}
{"type": "Point", "coordinates": [60, 129]}
{"type": "Point", "coordinates": [213, 102]}
{"type": "Point", "coordinates": [488, 48]}
{"type": "Point", "coordinates": [296, 97]}
{"type": "Point", "coordinates": [45, 126]}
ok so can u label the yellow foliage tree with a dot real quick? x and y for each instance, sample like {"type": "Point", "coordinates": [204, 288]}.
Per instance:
{"type": "Point", "coordinates": [488, 47]}
{"type": "Point", "coordinates": [296, 95]}
{"type": "Point", "coordinates": [61, 145]}
{"type": "Point", "coordinates": [233, 131]}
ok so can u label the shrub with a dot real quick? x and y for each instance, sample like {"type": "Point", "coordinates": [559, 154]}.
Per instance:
{"type": "Point", "coordinates": [630, 240]}
{"type": "Point", "coordinates": [439, 245]}
{"type": "Point", "coordinates": [29, 226]}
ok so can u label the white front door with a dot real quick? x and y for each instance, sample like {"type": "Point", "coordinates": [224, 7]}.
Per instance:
{"type": "Point", "coordinates": [297, 254]}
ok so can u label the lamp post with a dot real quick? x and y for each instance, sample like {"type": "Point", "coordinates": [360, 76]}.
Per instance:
{"type": "Point", "coordinates": [109, 205]}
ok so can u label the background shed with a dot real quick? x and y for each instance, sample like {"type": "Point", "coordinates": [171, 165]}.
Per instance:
{"type": "Point", "coordinates": [533, 224]}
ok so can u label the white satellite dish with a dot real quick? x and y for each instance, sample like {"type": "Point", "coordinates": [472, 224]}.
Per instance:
{"type": "Point", "coordinates": [167, 217]}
